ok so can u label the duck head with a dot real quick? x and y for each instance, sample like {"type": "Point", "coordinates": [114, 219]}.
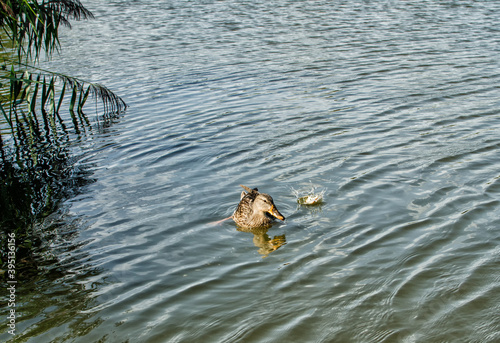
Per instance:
{"type": "Point", "coordinates": [264, 203]}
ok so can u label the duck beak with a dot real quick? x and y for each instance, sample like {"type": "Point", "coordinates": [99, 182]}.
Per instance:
{"type": "Point", "coordinates": [275, 213]}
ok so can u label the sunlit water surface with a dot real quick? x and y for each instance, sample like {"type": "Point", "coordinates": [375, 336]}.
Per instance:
{"type": "Point", "coordinates": [390, 107]}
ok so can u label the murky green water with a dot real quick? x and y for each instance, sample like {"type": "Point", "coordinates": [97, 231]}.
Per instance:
{"type": "Point", "coordinates": [391, 107]}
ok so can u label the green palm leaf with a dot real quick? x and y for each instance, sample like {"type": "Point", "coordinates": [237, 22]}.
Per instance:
{"type": "Point", "coordinates": [31, 27]}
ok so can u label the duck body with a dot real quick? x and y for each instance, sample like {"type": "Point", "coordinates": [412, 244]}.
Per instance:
{"type": "Point", "coordinates": [255, 209]}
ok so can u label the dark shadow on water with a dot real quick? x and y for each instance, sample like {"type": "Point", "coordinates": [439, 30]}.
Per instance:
{"type": "Point", "coordinates": [53, 292]}
{"type": "Point", "coordinates": [35, 180]}
{"type": "Point", "coordinates": [51, 271]}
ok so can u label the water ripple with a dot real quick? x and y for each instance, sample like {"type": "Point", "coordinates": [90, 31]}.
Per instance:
{"type": "Point", "coordinates": [390, 107]}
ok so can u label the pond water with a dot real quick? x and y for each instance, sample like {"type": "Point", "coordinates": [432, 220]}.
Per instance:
{"type": "Point", "coordinates": [391, 108]}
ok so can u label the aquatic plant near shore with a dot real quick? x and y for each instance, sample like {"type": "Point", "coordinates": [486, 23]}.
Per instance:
{"type": "Point", "coordinates": [30, 95]}
{"type": "Point", "coordinates": [37, 170]}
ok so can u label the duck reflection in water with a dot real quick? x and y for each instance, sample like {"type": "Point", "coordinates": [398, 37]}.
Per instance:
{"type": "Point", "coordinates": [262, 240]}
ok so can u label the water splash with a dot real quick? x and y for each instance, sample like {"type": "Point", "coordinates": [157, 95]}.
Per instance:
{"type": "Point", "coordinates": [309, 198]}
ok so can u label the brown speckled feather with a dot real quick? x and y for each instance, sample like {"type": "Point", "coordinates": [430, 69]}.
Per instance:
{"type": "Point", "coordinates": [244, 208]}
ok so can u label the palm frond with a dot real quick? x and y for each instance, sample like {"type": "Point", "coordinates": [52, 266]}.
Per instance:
{"type": "Point", "coordinates": [71, 9]}
{"type": "Point", "coordinates": [6, 8]}
{"type": "Point", "coordinates": [38, 96]}
{"type": "Point", "coordinates": [34, 25]}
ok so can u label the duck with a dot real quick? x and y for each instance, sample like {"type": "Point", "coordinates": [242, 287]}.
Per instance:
{"type": "Point", "coordinates": [255, 209]}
